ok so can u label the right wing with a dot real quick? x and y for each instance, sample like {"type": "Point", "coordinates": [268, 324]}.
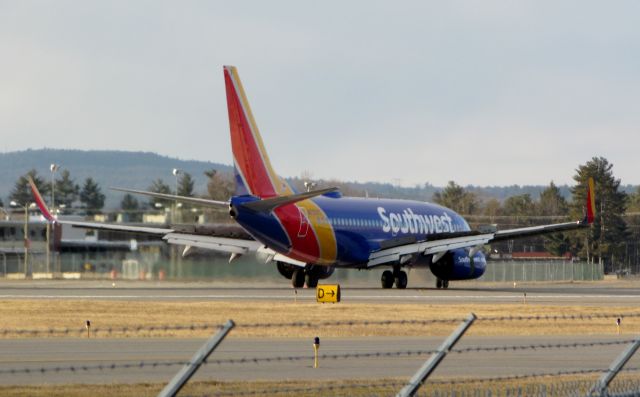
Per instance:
{"type": "Point", "coordinates": [398, 251]}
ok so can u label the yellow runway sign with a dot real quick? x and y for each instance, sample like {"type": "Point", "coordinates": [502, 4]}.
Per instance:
{"type": "Point", "coordinates": [328, 293]}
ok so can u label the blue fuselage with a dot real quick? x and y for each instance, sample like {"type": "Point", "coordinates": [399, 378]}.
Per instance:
{"type": "Point", "coordinates": [346, 230]}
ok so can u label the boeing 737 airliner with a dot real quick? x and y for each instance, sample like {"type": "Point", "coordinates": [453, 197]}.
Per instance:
{"type": "Point", "coordinates": [309, 234]}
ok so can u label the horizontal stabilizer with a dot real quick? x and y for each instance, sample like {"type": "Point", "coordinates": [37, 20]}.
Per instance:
{"type": "Point", "coordinates": [183, 199]}
{"type": "Point", "coordinates": [268, 205]}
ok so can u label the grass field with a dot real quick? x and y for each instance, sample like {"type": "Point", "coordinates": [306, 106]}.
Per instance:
{"type": "Point", "coordinates": [311, 388]}
{"type": "Point", "coordinates": [103, 314]}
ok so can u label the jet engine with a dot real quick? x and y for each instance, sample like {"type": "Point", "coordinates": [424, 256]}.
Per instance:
{"type": "Point", "coordinates": [457, 265]}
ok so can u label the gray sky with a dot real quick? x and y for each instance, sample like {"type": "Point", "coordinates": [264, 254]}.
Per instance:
{"type": "Point", "coordinates": [480, 92]}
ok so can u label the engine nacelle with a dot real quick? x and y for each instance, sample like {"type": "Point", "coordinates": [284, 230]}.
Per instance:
{"type": "Point", "coordinates": [457, 265]}
{"type": "Point", "coordinates": [320, 272]}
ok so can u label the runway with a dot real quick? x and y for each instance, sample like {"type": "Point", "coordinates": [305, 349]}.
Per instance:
{"type": "Point", "coordinates": [623, 293]}
{"type": "Point", "coordinates": [51, 353]}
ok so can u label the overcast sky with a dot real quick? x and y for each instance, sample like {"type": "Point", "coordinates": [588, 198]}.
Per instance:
{"type": "Point", "coordinates": [479, 92]}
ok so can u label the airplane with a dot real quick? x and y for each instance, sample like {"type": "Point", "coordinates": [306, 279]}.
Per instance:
{"type": "Point", "coordinates": [310, 234]}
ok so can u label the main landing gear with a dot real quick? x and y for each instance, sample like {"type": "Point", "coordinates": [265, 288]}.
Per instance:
{"type": "Point", "coordinates": [440, 283]}
{"type": "Point", "coordinates": [396, 276]}
{"type": "Point", "coordinates": [308, 275]}
{"type": "Point", "coordinates": [299, 278]}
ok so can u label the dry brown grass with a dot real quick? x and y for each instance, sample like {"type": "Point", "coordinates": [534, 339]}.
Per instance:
{"type": "Point", "coordinates": [365, 388]}
{"type": "Point", "coordinates": [43, 315]}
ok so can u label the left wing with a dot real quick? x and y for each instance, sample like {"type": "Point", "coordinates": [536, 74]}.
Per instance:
{"type": "Point", "coordinates": [224, 239]}
{"type": "Point", "coordinates": [402, 253]}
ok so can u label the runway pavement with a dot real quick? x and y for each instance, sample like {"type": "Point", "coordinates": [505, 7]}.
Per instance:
{"type": "Point", "coordinates": [51, 353]}
{"type": "Point", "coordinates": [620, 293]}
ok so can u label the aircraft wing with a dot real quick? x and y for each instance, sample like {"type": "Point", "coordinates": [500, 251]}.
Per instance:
{"type": "Point", "coordinates": [438, 247]}
{"type": "Point", "coordinates": [400, 252]}
{"type": "Point", "coordinates": [184, 199]}
{"type": "Point", "coordinates": [230, 239]}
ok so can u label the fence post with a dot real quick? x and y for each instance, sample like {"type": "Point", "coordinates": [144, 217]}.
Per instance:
{"type": "Point", "coordinates": [432, 363]}
{"type": "Point", "coordinates": [601, 385]}
{"type": "Point", "coordinates": [183, 376]}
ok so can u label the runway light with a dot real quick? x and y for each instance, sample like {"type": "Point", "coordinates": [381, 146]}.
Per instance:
{"type": "Point", "coordinates": [87, 325]}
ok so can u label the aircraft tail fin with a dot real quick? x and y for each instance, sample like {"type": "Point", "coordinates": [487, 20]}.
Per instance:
{"type": "Point", "coordinates": [40, 201]}
{"type": "Point", "coordinates": [591, 202]}
{"type": "Point", "coordinates": [253, 171]}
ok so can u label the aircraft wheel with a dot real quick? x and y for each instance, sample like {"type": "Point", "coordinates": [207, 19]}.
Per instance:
{"type": "Point", "coordinates": [311, 280]}
{"type": "Point", "coordinates": [445, 284]}
{"type": "Point", "coordinates": [387, 279]}
{"type": "Point", "coordinates": [297, 278]}
{"type": "Point", "coordinates": [438, 283]}
{"type": "Point", "coordinates": [401, 280]}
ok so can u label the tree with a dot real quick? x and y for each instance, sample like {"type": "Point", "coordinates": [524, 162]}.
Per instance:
{"type": "Point", "coordinates": [520, 205]}
{"type": "Point", "coordinates": [219, 186]}
{"type": "Point", "coordinates": [131, 208]}
{"type": "Point", "coordinates": [66, 190]}
{"type": "Point", "coordinates": [492, 208]}
{"type": "Point", "coordinates": [553, 204]}
{"type": "Point", "coordinates": [158, 186]}
{"type": "Point", "coordinates": [185, 185]}
{"type": "Point", "coordinates": [605, 238]}
{"type": "Point", "coordinates": [91, 196]}
{"type": "Point", "coordinates": [21, 192]}
{"type": "Point", "coordinates": [455, 197]}
{"type": "Point", "coordinates": [634, 202]}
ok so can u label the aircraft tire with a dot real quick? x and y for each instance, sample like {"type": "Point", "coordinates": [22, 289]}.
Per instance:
{"type": "Point", "coordinates": [311, 280]}
{"type": "Point", "coordinates": [297, 278]}
{"type": "Point", "coordinates": [445, 284]}
{"type": "Point", "coordinates": [401, 280]}
{"type": "Point", "coordinates": [438, 283]}
{"type": "Point", "coordinates": [387, 279]}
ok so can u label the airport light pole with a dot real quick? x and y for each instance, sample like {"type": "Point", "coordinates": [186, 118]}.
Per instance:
{"type": "Point", "coordinates": [13, 203]}
{"type": "Point", "coordinates": [176, 172]}
{"type": "Point", "coordinates": [54, 168]}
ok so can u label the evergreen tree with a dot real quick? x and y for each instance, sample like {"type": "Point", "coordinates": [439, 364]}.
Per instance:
{"type": "Point", "coordinates": [604, 240]}
{"type": "Point", "coordinates": [634, 202]}
{"type": "Point", "coordinates": [21, 192]}
{"type": "Point", "coordinates": [131, 208]}
{"type": "Point", "coordinates": [518, 206]}
{"type": "Point", "coordinates": [185, 185]}
{"type": "Point", "coordinates": [455, 197]}
{"type": "Point", "coordinates": [66, 190]}
{"type": "Point", "coordinates": [553, 204]}
{"type": "Point", "coordinates": [158, 186]}
{"type": "Point", "coordinates": [91, 196]}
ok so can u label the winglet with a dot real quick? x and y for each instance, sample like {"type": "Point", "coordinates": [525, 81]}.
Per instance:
{"type": "Point", "coordinates": [591, 202]}
{"type": "Point", "coordinates": [40, 202]}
